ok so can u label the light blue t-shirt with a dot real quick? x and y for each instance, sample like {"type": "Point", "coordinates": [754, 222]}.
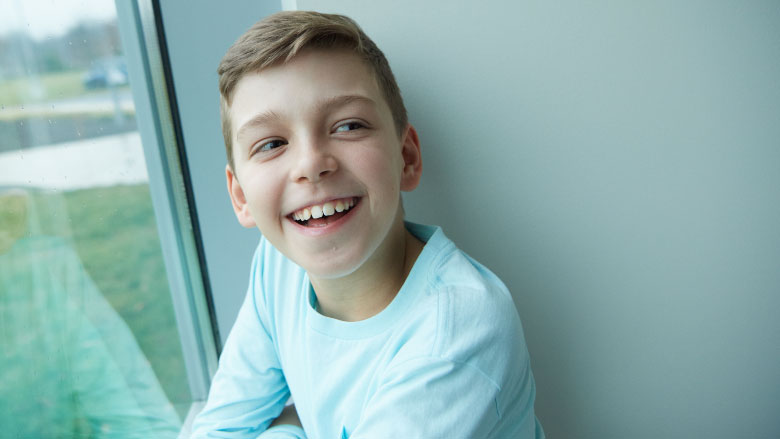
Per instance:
{"type": "Point", "coordinates": [445, 359]}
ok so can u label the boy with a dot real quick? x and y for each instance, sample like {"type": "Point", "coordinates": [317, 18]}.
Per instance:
{"type": "Point", "coordinates": [376, 327]}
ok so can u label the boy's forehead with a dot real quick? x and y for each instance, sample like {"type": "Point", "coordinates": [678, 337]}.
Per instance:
{"type": "Point", "coordinates": [309, 80]}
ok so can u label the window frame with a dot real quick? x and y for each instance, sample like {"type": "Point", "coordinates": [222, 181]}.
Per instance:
{"type": "Point", "coordinates": [144, 48]}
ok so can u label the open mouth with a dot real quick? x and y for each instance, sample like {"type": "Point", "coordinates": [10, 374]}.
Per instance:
{"type": "Point", "coordinates": [320, 215]}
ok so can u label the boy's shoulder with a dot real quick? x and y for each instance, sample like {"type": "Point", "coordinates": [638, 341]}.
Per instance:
{"type": "Point", "coordinates": [465, 313]}
{"type": "Point", "coordinates": [465, 284]}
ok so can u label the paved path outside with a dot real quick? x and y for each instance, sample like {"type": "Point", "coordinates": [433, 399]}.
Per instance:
{"type": "Point", "coordinates": [100, 161]}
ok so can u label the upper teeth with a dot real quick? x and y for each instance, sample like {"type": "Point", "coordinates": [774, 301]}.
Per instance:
{"type": "Point", "coordinates": [324, 209]}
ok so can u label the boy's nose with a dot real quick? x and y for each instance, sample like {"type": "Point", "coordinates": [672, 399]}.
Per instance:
{"type": "Point", "coordinates": [313, 163]}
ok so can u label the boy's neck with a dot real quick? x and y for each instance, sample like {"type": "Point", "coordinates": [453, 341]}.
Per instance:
{"type": "Point", "coordinates": [372, 287]}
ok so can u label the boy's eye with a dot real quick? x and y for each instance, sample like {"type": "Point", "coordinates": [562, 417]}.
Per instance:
{"type": "Point", "coordinates": [269, 145]}
{"type": "Point", "coordinates": [349, 126]}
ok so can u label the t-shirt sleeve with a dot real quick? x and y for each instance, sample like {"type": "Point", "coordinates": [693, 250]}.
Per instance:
{"type": "Point", "coordinates": [249, 389]}
{"type": "Point", "coordinates": [431, 398]}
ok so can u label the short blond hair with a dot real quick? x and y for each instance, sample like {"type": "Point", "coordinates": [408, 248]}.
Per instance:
{"type": "Point", "coordinates": [279, 37]}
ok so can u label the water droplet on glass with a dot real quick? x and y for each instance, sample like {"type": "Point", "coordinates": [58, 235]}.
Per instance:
{"type": "Point", "coordinates": [70, 43]}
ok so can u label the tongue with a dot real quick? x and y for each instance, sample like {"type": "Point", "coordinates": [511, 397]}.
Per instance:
{"type": "Point", "coordinates": [325, 220]}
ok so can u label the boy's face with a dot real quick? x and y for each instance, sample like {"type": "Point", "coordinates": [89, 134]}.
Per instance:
{"type": "Point", "coordinates": [313, 135]}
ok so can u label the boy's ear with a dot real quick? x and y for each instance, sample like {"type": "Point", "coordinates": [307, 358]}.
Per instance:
{"type": "Point", "coordinates": [240, 206]}
{"type": "Point", "coordinates": [410, 152]}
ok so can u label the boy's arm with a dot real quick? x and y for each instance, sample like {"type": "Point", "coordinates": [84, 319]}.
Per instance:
{"type": "Point", "coordinates": [249, 389]}
{"type": "Point", "coordinates": [433, 397]}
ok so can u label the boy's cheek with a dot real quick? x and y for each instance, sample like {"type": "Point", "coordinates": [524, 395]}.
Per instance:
{"type": "Point", "coordinates": [382, 164]}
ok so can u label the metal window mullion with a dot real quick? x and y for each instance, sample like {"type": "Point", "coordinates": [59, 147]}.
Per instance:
{"type": "Point", "coordinates": [167, 186]}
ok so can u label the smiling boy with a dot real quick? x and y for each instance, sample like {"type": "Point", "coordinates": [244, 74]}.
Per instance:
{"type": "Point", "coordinates": [375, 326]}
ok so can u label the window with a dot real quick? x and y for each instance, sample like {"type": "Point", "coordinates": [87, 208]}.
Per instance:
{"type": "Point", "coordinates": [101, 320]}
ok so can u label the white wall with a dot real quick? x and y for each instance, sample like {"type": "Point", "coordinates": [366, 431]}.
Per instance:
{"type": "Point", "coordinates": [618, 165]}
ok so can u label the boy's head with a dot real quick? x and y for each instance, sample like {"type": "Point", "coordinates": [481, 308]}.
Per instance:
{"type": "Point", "coordinates": [279, 37]}
{"type": "Point", "coordinates": [318, 142]}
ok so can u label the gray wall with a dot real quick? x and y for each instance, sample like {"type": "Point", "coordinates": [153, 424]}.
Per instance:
{"type": "Point", "coordinates": [197, 35]}
{"type": "Point", "coordinates": [618, 165]}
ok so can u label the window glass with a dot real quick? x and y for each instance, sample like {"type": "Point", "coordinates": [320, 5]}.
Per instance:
{"type": "Point", "coordinates": [89, 341]}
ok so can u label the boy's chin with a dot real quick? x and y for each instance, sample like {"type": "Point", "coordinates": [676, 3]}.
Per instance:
{"type": "Point", "coordinates": [329, 271]}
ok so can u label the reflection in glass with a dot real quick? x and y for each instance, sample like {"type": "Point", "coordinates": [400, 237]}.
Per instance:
{"type": "Point", "coordinates": [88, 336]}
{"type": "Point", "coordinates": [70, 366]}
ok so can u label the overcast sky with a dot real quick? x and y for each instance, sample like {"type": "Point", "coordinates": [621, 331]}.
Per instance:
{"type": "Point", "coordinates": [42, 18]}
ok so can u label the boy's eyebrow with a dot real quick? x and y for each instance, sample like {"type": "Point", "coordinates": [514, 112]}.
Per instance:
{"type": "Point", "coordinates": [263, 118]}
